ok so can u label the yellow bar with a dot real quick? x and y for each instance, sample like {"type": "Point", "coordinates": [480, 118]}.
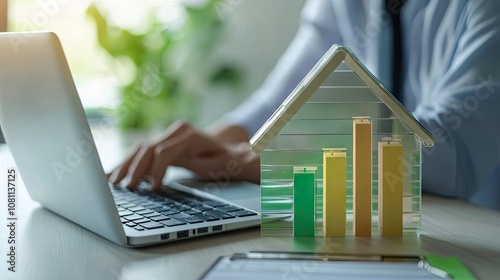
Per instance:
{"type": "Point", "coordinates": [334, 181]}
{"type": "Point", "coordinates": [362, 176]}
{"type": "Point", "coordinates": [390, 188]}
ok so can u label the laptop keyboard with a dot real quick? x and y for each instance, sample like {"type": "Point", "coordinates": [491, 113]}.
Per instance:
{"type": "Point", "coordinates": [144, 211]}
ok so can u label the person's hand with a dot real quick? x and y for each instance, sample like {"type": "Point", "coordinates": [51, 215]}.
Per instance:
{"type": "Point", "coordinates": [182, 145]}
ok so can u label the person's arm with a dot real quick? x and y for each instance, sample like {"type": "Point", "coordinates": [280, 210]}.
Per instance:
{"type": "Point", "coordinates": [226, 149]}
{"type": "Point", "coordinates": [459, 82]}
{"type": "Point", "coordinates": [317, 32]}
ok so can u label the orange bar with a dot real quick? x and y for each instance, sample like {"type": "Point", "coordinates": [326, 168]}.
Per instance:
{"type": "Point", "coordinates": [362, 176]}
{"type": "Point", "coordinates": [390, 188]}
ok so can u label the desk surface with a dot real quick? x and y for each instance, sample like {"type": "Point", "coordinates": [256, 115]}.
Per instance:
{"type": "Point", "coordinates": [50, 247]}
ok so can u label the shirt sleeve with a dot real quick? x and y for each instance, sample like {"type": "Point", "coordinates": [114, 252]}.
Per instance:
{"type": "Point", "coordinates": [316, 34]}
{"type": "Point", "coordinates": [460, 101]}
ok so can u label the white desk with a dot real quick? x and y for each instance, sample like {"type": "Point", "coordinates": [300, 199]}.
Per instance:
{"type": "Point", "coordinates": [50, 247]}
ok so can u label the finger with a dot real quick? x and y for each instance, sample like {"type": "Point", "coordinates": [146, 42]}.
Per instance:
{"type": "Point", "coordinates": [139, 166]}
{"type": "Point", "coordinates": [177, 143]}
{"type": "Point", "coordinates": [159, 163]}
{"type": "Point", "coordinates": [120, 172]}
{"type": "Point", "coordinates": [166, 154]}
{"type": "Point", "coordinates": [159, 167]}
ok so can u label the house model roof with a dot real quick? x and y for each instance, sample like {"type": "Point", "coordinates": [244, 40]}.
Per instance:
{"type": "Point", "coordinates": [321, 72]}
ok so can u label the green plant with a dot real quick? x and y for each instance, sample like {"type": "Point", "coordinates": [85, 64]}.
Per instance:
{"type": "Point", "coordinates": [169, 65]}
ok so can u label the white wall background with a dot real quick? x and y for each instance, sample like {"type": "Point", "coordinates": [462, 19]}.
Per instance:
{"type": "Point", "coordinates": [257, 32]}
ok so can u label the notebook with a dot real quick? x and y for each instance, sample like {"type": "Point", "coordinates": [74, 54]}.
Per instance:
{"type": "Point", "coordinates": [46, 130]}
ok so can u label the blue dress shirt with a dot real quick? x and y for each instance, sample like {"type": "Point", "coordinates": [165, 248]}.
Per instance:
{"type": "Point", "coordinates": [451, 80]}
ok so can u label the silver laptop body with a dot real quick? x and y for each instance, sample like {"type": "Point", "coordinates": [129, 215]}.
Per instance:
{"type": "Point", "coordinates": [46, 130]}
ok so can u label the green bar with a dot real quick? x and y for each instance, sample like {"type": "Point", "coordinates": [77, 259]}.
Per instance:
{"type": "Point", "coordinates": [303, 203]}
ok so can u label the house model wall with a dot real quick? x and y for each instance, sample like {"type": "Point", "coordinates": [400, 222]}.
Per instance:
{"type": "Point", "coordinates": [325, 120]}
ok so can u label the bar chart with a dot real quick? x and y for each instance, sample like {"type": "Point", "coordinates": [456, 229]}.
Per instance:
{"type": "Point", "coordinates": [390, 188]}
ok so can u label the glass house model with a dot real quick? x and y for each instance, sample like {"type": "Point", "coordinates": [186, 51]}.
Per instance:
{"type": "Point", "coordinates": [341, 156]}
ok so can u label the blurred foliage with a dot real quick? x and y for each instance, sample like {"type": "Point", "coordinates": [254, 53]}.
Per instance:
{"type": "Point", "coordinates": [170, 65]}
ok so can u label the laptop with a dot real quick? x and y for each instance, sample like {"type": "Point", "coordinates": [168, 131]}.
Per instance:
{"type": "Point", "coordinates": [47, 132]}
